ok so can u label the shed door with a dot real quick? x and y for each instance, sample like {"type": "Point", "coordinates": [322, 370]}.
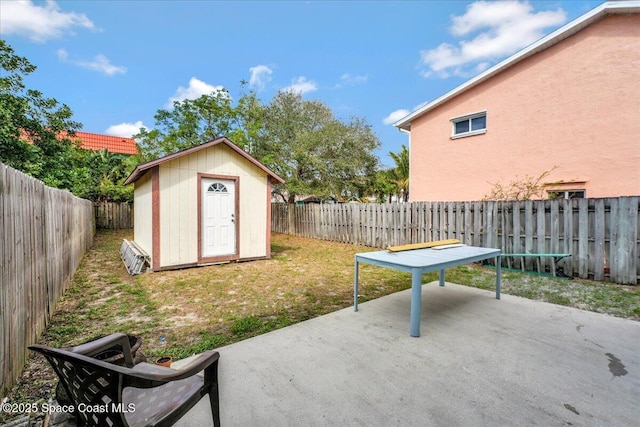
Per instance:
{"type": "Point", "coordinates": [218, 217]}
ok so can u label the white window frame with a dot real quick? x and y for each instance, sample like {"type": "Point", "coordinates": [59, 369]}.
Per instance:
{"type": "Point", "coordinates": [468, 117]}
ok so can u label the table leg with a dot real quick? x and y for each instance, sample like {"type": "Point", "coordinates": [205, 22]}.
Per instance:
{"type": "Point", "coordinates": [441, 277]}
{"type": "Point", "coordinates": [355, 287]}
{"type": "Point", "coordinates": [498, 275]}
{"type": "Point", "coordinates": [416, 302]}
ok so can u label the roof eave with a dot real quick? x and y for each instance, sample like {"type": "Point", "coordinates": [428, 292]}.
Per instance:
{"type": "Point", "coordinates": [607, 8]}
{"type": "Point", "coordinates": [140, 170]}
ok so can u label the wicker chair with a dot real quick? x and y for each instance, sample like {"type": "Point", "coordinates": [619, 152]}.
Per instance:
{"type": "Point", "coordinates": [105, 394]}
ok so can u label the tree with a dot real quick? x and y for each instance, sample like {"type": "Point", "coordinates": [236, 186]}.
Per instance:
{"type": "Point", "coordinates": [526, 188]}
{"type": "Point", "coordinates": [30, 125]}
{"type": "Point", "coordinates": [249, 121]}
{"type": "Point", "coordinates": [315, 153]}
{"type": "Point", "coordinates": [383, 187]}
{"type": "Point", "coordinates": [400, 173]}
{"type": "Point", "coordinates": [35, 137]}
{"type": "Point", "coordinates": [192, 122]}
{"type": "Point", "coordinates": [299, 140]}
{"type": "Point", "coordinates": [99, 176]}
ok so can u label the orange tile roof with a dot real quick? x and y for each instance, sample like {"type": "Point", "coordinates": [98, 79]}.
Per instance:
{"type": "Point", "coordinates": [114, 144]}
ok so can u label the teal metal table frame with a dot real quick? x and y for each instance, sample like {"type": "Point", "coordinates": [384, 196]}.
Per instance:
{"type": "Point", "coordinates": [420, 261]}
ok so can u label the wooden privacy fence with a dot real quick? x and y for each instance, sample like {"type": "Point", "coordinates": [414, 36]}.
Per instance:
{"type": "Point", "coordinates": [44, 233]}
{"type": "Point", "coordinates": [602, 235]}
{"type": "Point", "coordinates": [114, 216]}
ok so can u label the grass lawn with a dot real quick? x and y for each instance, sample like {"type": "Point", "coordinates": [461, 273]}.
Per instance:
{"type": "Point", "coordinates": [188, 311]}
{"type": "Point", "coordinates": [201, 308]}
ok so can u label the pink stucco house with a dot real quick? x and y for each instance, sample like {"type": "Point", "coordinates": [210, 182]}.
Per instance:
{"type": "Point", "coordinates": [569, 103]}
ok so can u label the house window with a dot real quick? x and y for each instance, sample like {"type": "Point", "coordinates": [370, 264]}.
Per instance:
{"type": "Point", "coordinates": [566, 194]}
{"type": "Point", "coordinates": [471, 124]}
{"type": "Point", "coordinates": [217, 187]}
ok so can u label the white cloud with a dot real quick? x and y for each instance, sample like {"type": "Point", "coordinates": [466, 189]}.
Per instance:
{"type": "Point", "coordinates": [422, 104]}
{"type": "Point", "coordinates": [125, 130]}
{"type": "Point", "coordinates": [504, 28]}
{"type": "Point", "coordinates": [301, 85]}
{"type": "Point", "coordinates": [481, 67]}
{"type": "Point", "coordinates": [260, 76]}
{"type": "Point", "coordinates": [99, 63]}
{"type": "Point", "coordinates": [348, 80]}
{"type": "Point", "coordinates": [102, 64]}
{"type": "Point", "coordinates": [401, 113]}
{"type": "Point", "coordinates": [395, 116]}
{"type": "Point", "coordinates": [39, 22]}
{"type": "Point", "coordinates": [196, 89]}
{"type": "Point", "coordinates": [63, 55]}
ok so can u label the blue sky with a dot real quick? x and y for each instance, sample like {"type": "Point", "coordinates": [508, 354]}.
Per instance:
{"type": "Point", "coordinates": [115, 63]}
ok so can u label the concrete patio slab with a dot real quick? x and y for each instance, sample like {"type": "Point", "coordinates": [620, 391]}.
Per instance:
{"type": "Point", "coordinates": [479, 361]}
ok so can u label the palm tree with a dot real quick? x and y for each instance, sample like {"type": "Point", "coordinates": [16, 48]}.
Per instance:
{"type": "Point", "coordinates": [400, 174]}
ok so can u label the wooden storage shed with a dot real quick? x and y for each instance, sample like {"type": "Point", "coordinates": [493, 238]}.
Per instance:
{"type": "Point", "coordinates": [203, 205]}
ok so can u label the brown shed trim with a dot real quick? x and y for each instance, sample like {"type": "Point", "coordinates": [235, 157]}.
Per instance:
{"type": "Point", "coordinates": [231, 257]}
{"type": "Point", "coordinates": [140, 169]}
{"type": "Point", "coordinates": [268, 227]}
{"type": "Point", "coordinates": [196, 264]}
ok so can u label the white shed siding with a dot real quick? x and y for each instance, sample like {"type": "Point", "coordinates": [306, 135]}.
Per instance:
{"type": "Point", "coordinates": [178, 214]}
{"type": "Point", "coordinates": [253, 214]}
{"type": "Point", "coordinates": [179, 204]}
{"type": "Point", "coordinates": [143, 231]}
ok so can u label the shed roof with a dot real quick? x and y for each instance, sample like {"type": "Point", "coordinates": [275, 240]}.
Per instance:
{"type": "Point", "coordinates": [141, 169]}
{"type": "Point", "coordinates": [605, 9]}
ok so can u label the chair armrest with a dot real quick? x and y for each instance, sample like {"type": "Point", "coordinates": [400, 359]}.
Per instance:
{"type": "Point", "coordinates": [131, 377]}
{"type": "Point", "coordinates": [105, 343]}
{"type": "Point", "coordinates": [148, 379]}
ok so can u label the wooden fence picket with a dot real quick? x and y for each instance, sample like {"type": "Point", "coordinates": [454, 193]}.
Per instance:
{"type": "Point", "coordinates": [602, 235]}
{"type": "Point", "coordinates": [44, 234]}
{"type": "Point", "coordinates": [114, 216]}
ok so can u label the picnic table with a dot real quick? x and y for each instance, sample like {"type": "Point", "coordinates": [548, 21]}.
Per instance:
{"type": "Point", "coordinates": [420, 261]}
